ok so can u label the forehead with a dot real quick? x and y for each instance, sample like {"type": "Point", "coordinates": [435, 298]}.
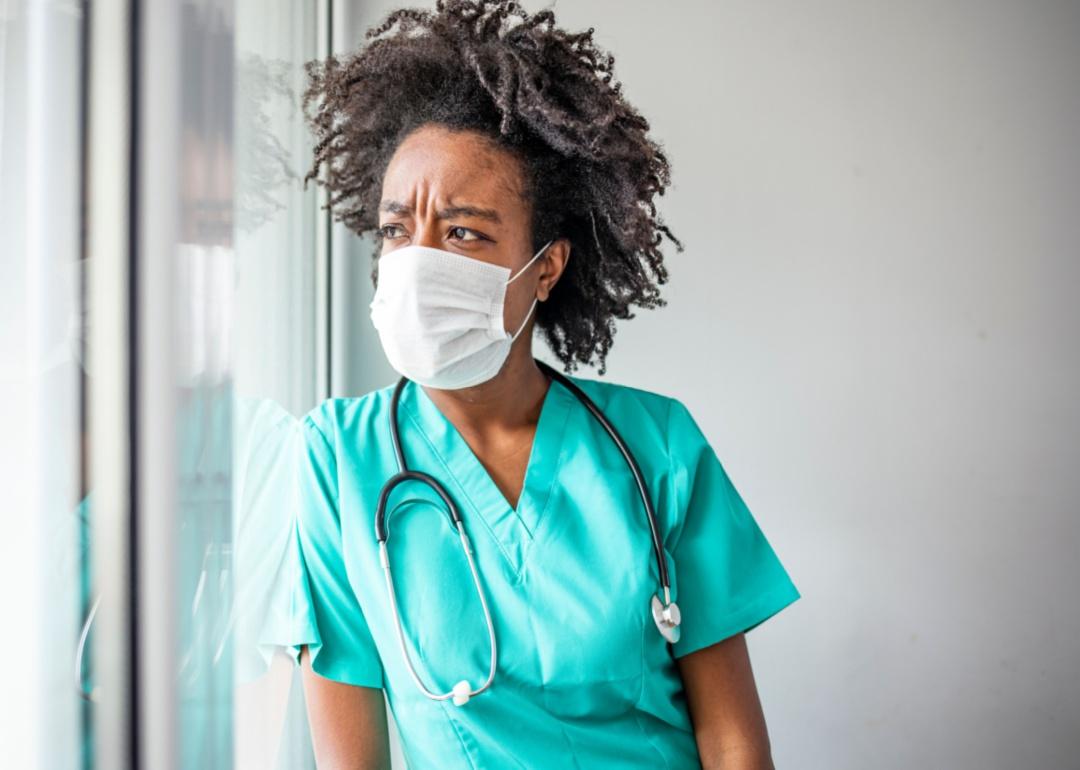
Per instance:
{"type": "Point", "coordinates": [434, 161]}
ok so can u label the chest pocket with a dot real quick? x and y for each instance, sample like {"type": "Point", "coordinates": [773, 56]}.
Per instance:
{"type": "Point", "coordinates": [589, 588]}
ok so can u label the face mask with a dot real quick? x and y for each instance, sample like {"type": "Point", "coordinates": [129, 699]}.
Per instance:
{"type": "Point", "coordinates": [440, 315]}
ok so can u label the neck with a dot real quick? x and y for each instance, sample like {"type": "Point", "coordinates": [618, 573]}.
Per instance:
{"type": "Point", "coordinates": [508, 401]}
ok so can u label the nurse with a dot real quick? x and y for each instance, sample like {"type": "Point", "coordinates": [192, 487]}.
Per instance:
{"type": "Point", "coordinates": [511, 187]}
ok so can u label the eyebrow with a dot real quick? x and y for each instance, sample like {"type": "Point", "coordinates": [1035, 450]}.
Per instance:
{"type": "Point", "coordinates": [450, 212]}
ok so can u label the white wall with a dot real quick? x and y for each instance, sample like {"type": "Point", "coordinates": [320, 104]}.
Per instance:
{"type": "Point", "coordinates": [881, 207]}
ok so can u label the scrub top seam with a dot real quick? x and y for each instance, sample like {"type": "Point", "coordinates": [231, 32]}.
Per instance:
{"type": "Point", "coordinates": [311, 421]}
{"type": "Point", "coordinates": [570, 747]}
{"type": "Point", "coordinates": [529, 484]}
{"type": "Point", "coordinates": [649, 740]}
{"type": "Point", "coordinates": [461, 490]}
{"type": "Point", "coordinates": [673, 485]}
{"type": "Point", "coordinates": [641, 694]}
{"type": "Point", "coordinates": [641, 677]}
{"type": "Point", "coordinates": [542, 517]}
{"type": "Point", "coordinates": [457, 734]}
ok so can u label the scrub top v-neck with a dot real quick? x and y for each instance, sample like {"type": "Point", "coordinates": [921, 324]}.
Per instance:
{"type": "Point", "coordinates": [511, 528]}
{"type": "Point", "coordinates": [583, 677]}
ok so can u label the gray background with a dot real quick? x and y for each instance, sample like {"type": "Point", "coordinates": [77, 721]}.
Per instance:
{"type": "Point", "coordinates": [875, 322]}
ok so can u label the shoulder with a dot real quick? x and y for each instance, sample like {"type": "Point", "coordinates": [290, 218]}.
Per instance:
{"type": "Point", "coordinates": [661, 423]}
{"type": "Point", "coordinates": [650, 412]}
{"type": "Point", "coordinates": [621, 397]}
{"type": "Point", "coordinates": [334, 419]}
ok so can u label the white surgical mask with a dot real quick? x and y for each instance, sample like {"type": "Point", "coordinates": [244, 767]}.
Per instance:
{"type": "Point", "coordinates": [440, 315]}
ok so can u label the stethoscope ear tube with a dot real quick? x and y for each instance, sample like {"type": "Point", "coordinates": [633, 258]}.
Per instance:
{"type": "Point", "coordinates": [665, 612]}
{"type": "Point", "coordinates": [661, 562]}
{"type": "Point", "coordinates": [381, 532]}
{"type": "Point", "coordinates": [461, 691]}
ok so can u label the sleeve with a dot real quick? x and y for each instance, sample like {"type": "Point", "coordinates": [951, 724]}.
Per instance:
{"type": "Point", "coordinates": [333, 623]}
{"type": "Point", "coordinates": [728, 579]}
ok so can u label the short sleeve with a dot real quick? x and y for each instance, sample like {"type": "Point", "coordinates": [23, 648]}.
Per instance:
{"type": "Point", "coordinates": [341, 644]}
{"type": "Point", "coordinates": [728, 578]}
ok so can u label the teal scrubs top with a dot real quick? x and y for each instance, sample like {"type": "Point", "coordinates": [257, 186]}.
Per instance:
{"type": "Point", "coordinates": [584, 679]}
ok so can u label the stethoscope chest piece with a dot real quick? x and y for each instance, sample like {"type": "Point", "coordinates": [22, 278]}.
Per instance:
{"type": "Point", "coordinates": [667, 619]}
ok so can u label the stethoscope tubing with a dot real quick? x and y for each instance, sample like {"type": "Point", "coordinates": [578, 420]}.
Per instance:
{"type": "Point", "coordinates": [665, 613]}
{"type": "Point", "coordinates": [405, 474]}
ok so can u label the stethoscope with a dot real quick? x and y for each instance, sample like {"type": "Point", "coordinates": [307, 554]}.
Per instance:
{"type": "Point", "coordinates": [665, 612]}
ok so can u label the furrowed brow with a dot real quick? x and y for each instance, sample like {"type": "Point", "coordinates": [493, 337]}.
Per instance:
{"type": "Point", "coordinates": [470, 211]}
{"type": "Point", "coordinates": [451, 212]}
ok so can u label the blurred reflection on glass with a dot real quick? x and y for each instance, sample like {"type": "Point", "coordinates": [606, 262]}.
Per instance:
{"type": "Point", "coordinates": [202, 307]}
{"type": "Point", "coordinates": [274, 365]}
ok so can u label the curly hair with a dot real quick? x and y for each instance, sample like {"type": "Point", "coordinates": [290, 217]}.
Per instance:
{"type": "Point", "coordinates": [546, 95]}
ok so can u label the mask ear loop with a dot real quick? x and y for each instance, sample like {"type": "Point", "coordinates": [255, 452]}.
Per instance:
{"type": "Point", "coordinates": [524, 322]}
{"type": "Point", "coordinates": [519, 272]}
{"type": "Point", "coordinates": [526, 266]}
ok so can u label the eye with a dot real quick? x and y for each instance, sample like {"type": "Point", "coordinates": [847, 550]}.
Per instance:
{"type": "Point", "coordinates": [459, 229]}
{"type": "Point", "coordinates": [382, 232]}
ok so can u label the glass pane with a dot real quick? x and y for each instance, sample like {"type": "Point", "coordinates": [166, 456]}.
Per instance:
{"type": "Point", "coordinates": [44, 561]}
{"type": "Point", "coordinates": [244, 319]}
{"type": "Point", "coordinates": [275, 365]}
{"type": "Point", "coordinates": [203, 306]}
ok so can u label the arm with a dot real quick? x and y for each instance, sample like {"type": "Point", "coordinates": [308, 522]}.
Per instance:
{"type": "Point", "coordinates": [348, 722]}
{"type": "Point", "coordinates": [729, 725]}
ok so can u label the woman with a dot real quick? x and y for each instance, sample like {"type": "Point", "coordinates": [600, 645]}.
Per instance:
{"type": "Point", "coordinates": [511, 186]}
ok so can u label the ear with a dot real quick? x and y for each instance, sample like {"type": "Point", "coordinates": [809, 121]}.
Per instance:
{"type": "Point", "coordinates": [554, 264]}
